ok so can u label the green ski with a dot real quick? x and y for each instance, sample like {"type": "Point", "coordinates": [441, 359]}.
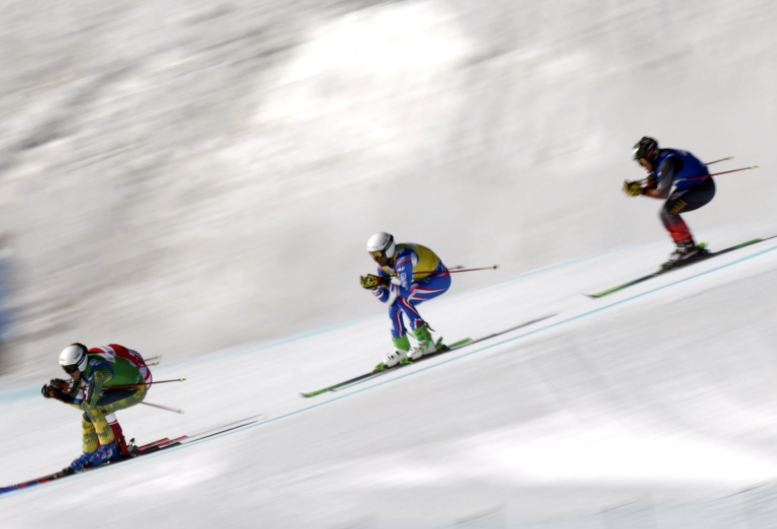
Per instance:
{"type": "Point", "coordinates": [441, 348]}
{"type": "Point", "coordinates": [701, 257]}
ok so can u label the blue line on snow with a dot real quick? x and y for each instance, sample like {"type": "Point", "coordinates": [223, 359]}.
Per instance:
{"type": "Point", "coordinates": [497, 344]}
{"type": "Point", "coordinates": [421, 370]}
{"type": "Point", "coordinates": [20, 393]}
{"type": "Point", "coordinates": [508, 340]}
{"type": "Point", "coordinates": [323, 330]}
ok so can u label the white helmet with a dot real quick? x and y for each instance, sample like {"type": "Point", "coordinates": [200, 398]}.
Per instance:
{"type": "Point", "coordinates": [382, 243]}
{"type": "Point", "coordinates": [74, 357]}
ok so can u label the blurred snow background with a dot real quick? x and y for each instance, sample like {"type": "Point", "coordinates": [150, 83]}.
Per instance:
{"type": "Point", "coordinates": [188, 176]}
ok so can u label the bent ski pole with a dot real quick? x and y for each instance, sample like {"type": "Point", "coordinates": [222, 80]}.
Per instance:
{"type": "Point", "coordinates": [459, 271]}
{"type": "Point", "coordinates": [163, 407]}
{"type": "Point", "coordinates": [701, 177]}
{"type": "Point", "coordinates": [146, 383]}
{"type": "Point", "coordinates": [721, 160]}
{"type": "Point", "coordinates": [474, 269]}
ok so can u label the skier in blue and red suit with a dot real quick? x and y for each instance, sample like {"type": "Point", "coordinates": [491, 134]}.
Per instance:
{"type": "Point", "coordinates": [668, 171]}
{"type": "Point", "coordinates": [415, 274]}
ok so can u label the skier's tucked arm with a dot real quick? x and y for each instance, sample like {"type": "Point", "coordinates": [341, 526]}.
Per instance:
{"type": "Point", "coordinates": [55, 390]}
{"type": "Point", "coordinates": [377, 284]}
{"type": "Point", "coordinates": [665, 178]}
{"type": "Point", "coordinates": [101, 375]}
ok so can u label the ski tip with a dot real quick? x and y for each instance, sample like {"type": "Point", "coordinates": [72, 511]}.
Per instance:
{"type": "Point", "coordinates": [459, 343]}
{"type": "Point", "coordinates": [314, 393]}
{"type": "Point", "coordinates": [605, 293]}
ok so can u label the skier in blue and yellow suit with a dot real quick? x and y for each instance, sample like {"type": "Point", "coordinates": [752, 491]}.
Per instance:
{"type": "Point", "coordinates": [415, 274]}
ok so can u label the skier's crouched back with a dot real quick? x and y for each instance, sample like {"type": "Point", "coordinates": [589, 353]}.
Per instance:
{"type": "Point", "coordinates": [103, 380]}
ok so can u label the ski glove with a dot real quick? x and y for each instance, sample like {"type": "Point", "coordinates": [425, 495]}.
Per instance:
{"type": "Point", "coordinates": [53, 392]}
{"type": "Point", "coordinates": [373, 282]}
{"type": "Point", "coordinates": [633, 189]}
{"type": "Point", "coordinates": [62, 384]}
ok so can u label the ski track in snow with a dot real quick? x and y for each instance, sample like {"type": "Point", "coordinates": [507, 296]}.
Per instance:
{"type": "Point", "coordinates": [169, 171]}
{"type": "Point", "coordinates": [570, 448]}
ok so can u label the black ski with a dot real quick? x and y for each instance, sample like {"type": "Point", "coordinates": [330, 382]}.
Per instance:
{"type": "Point", "coordinates": [441, 350]}
{"type": "Point", "coordinates": [702, 257]}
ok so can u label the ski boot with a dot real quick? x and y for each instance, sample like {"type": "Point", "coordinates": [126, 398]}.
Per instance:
{"type": "Point", "coordinates": [401, 347]}
{"type": "Point", "coordinates": [81, 462]}
{"type": "Point", "coordinates": [122, 447]}
{"type": "Point", "coordinates": [424, 344]}
{"type": "Point", "coordinates": [685, 251]}
{"type": "Point", "coordinates": [105, 454]}
{"type": "Point", "coordinates": [132, 448]}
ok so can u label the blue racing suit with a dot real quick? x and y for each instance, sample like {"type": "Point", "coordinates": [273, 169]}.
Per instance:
{"type": "Point", "coordinates": [417, 275]}
{"type": "Point", "coordinates": [672, 166]}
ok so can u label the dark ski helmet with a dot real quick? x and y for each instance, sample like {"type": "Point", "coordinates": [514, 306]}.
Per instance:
{"type": "Point", "coordinates": [646, 148]}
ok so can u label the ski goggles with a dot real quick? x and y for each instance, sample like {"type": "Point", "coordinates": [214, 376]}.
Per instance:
{"type": "Point", "coordinates": [70, 369]}
{"type": "Point", "coordinates": [378, 254]}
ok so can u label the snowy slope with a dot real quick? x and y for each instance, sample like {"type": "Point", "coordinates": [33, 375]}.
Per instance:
{"type": "Point", "coordinates": [184, 176]}
{"type": "Point", "coordinates": [605, 404]}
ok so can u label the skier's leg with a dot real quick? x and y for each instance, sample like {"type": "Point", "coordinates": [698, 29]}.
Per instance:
{"type": "Point", "coordinates": [89, 437]}
{"type": "Point", "coordinates": [398, 335]}
{"type": "Point", "coordinates": [120, 399]}
{"type": "Point", "coordinates": [112, 401]}
{"type": "Point", "coordinates": [680, 202]}
{"type": "Point", "coordinates": [113, 396]}
{"type": "Point", "coordinates": [674, 224]}
{"type": "Point", "coordinates": [118, 434]}
{"type": "Point", "coordinates": [423, 291]}
{"type": "Point", "coordinates": [97, 418]}
{"type": "Point", "coordinates": [397, 325]}
{"type": "Point", "coordinates": [89, 443]}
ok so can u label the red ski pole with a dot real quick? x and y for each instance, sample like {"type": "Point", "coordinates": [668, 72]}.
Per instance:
{"type": "Point", "coordinates": [644, 180]}
{"type": "Point", "coordinates": [716, 174]}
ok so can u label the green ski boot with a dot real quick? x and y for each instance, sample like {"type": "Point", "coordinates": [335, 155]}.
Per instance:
{"type": "Point", "coordinates": [424, 343]}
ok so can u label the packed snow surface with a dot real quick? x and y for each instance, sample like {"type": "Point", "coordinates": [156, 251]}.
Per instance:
{"type": "Point", "coordinates": [198, 180]}
{"type": "Point", "coordinates": [663, 391]}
